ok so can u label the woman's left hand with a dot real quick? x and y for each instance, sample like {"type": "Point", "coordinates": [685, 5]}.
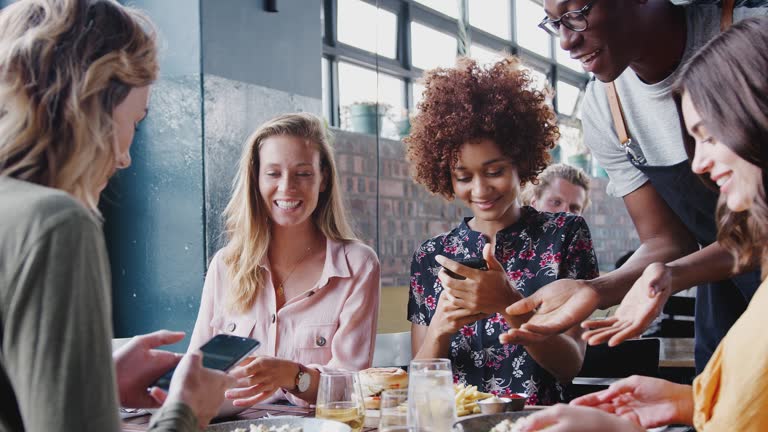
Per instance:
{"type": "Point", "coordinates": [483, 291]}
{"type": "Point", "coordinates": [259, 377]}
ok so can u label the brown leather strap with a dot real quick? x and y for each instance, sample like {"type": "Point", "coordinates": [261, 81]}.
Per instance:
{"type": "Point", "coordinates": [726, 18]}
{"type": "Point", "coordinates": [616, 113]}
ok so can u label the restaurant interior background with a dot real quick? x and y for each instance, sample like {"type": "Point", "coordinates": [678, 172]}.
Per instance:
{"type": "Point", "coordinates": [229, 65]}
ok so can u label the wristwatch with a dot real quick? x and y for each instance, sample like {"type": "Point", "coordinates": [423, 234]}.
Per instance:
{"type": "Point", "coordinates": [303, 379]}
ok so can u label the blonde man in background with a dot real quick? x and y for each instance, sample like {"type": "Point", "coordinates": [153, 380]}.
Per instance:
{"type": "Point", "coordinates": [561, 188]}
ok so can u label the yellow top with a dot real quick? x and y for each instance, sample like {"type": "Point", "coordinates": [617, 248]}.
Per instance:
{"type": "Point", "coordinates": [731, 394]}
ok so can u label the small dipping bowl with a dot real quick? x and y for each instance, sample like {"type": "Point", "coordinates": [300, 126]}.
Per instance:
{"type": "Point", "coordinates": [516, 401]}
{"type": "Point", "coordinates": [494, 405]}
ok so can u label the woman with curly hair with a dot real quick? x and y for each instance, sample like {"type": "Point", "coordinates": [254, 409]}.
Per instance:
{"type": "Point", "coordinates": [481, 134]}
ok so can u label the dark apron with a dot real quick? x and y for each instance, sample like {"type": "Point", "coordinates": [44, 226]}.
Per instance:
{"type": "Point", "coordinates": [718, 304]}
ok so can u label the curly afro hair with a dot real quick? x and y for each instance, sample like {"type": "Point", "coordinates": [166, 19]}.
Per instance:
{"type": "Point", "coordinates": [469, 102]}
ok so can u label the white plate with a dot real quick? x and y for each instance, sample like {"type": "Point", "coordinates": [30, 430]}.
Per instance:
{"type": "Point", "coordinates": [307, 424]}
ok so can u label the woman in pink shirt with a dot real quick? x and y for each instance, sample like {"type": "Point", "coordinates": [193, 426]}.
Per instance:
{"type": "Point", "coordinates": [293, 274]}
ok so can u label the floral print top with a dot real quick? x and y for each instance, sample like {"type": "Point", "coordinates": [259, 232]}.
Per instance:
{"type": "Point", "coordinates": [536, 250]}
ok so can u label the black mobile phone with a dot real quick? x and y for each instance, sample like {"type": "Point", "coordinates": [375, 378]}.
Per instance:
{"type": "Point", "coordinates": [221, 352]}
{"type": "Point", "coordinates": [475, 263]}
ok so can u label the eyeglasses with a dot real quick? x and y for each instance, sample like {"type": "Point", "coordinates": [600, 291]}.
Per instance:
{"type": "Point", "coordinates": [575, 20]}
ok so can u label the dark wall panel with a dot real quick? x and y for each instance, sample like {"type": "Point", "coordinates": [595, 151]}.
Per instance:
{"type": "Point", "coordinates": [272, 49]}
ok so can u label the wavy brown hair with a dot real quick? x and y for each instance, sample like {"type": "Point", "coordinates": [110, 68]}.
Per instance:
{"type": "Point", "coordinates": [247, 216]}
{"type": "Point", "coordinates": [727, 83]}
{"type": "Point", "coordinates": [64, 67]}
{"type": "Point", "coordinates": [470, 102]}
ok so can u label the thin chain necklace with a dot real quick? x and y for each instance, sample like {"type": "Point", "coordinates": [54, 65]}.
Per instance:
{"type": "Point", "coordinates": [280, 290]}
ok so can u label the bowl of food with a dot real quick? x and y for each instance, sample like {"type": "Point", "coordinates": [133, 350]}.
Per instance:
{"type": "Point", "coordinates": [517, 401]}
{"type": "Point", "coordinates": [494, 405]}
{"type": "Point", "coordinates": [502, 422]}
{"type": "Point", "coordinates": [280, 424]}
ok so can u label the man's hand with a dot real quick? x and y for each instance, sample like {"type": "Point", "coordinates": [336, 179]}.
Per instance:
{"type": "Point", "coordinates": [483, 292]}
{"type": "Point", "coordinates": [642, 304]}
{"type": "Point", "coordinates": [649, 402]}
{"type": "Point", "coordinates": [138, 364]}
{"type": "Point", "coordinates": [200, 388]}
{"type": "Point", "coordinates": [558, 306]}
{"type": "Point", "coordinates": [565, 418]}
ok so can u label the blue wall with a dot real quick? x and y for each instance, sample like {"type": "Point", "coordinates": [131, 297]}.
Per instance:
{"type": "Point", "coordinates": [154, 210]}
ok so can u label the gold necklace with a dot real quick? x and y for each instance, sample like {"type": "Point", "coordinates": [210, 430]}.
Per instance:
{"type": "Point", "coordinates": [280, 290]}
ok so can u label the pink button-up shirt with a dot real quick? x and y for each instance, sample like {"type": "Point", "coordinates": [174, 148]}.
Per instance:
{"type": "Point", "coordinates": [331, 325]}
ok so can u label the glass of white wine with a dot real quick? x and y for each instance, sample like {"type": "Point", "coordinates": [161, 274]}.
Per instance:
{"type": "Point", "coordinates": [394, 411]}
{"type": "Point", "coordinates": [431, 397]}
{"type": "Point", "coordinates": [340, 398]}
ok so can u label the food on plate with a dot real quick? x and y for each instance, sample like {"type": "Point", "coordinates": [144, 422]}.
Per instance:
{"type": "Point", "coordinates": [466, 399]}
{"type": "Point", "coordinates": [507, 426]}
{"type": "Point", "coordinates": [262, 428]}
{"type": "Point", "coordinates": [375, 380]}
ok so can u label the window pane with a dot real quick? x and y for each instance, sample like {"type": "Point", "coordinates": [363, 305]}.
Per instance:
{"type": "Point", "coordinates": [565, 59]}
{"type": "Point", "coordinates": [485, 56]}
{"type": "Point", "coordinates": [358, 84]}
{"type": "Point", "coordinates": [357, 19]}
{"type": "Point", "coordinates": [432, 48]}
{"type": "Point", "coordinates": [491, 16]}
{"type": "Point", "coordinates": [448, 7]}
{"type": "Point", "coordinates": [567, 95]}
{"type": "Point", "coordinates": [326, 89]}
{"type": "Point", "coordinates": [528, 14]}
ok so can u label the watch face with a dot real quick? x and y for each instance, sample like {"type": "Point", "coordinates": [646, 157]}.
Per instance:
{"type": "Point", "coordinates": [303, 381]}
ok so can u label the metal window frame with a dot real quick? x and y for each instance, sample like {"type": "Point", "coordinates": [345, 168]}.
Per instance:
{"type": "Point", "coordinates": [401, 67]}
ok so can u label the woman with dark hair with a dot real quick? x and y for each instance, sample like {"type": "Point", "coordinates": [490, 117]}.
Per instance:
{"type": "Point", "coordinates": [724, 101]}
{"type": "Point", "coordinates": [482, 134]}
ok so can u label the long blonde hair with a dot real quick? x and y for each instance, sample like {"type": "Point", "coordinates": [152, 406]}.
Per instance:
{"type": "Point", "coordinates": [64, 67]}
{"type": "Point", "coordinates": [247, 219]}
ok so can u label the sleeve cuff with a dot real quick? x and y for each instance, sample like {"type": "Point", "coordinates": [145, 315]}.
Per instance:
{"type": "Point", "coordinates": [174, 416]}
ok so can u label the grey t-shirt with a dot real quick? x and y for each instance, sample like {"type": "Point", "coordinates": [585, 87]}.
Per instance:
{"type": "Point", "coordinates": [56, 369]}
{"type": "Point", "coordinates": [649, 110]}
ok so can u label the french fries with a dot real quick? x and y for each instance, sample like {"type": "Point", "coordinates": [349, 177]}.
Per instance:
{"type": "Point", "coordinates": [466, 399]}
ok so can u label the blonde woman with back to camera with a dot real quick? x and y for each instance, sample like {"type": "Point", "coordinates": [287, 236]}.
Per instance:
{"type": "Point", "coordinates": [292, 275]}
{"type": "Point", "coordinates": [74, 84]}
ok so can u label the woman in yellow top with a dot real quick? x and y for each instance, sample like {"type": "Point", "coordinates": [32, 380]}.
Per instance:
{"type": "Point", "coordinates": [724, 100]}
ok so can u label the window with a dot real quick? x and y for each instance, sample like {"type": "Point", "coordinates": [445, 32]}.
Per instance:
{"type": "Point", "coordinates": [432, 48]}
{"type": "Point", "coordinates": [567, 96]}
{"type": "Point", "coordinates": [529, 35]}
{"type": "Point", "coordinates": [448, 7]}
{"type": "Point", "coordinates": [359, 84]}
{"type": "Point", "coordinates": [326, 88]}
{"type": "Point", "coordinates": [492, 16]}
{"type": "Point", "coordinates": [357, 19]}
{"type": "Point", "coordinates": [418, 93]}
{"type": "Point", "coordinates": [485, 56]}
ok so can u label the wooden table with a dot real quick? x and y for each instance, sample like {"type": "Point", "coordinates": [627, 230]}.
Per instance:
{"type": "Point", "coordinates": [676, 353]}
{"type": "Point", "coordinates": [140, 424]}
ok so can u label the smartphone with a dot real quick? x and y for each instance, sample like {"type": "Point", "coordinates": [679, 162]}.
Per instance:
{"type": "Point", "coordinates": [221, 352]}
{"type": "Point", "coordinates": [475, 263]}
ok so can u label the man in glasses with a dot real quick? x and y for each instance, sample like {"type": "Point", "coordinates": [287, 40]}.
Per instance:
{"type": "Point", "coordinates": [639, 45]}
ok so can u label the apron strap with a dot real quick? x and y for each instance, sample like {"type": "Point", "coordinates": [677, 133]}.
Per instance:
{"type": "Point", "coordinates": [619, 123]}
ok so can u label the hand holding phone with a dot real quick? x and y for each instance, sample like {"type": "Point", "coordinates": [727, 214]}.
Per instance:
{"type": "Point", "coordinates": [474, 262]}
{"type": "Point", "coordinates": [221, 352]}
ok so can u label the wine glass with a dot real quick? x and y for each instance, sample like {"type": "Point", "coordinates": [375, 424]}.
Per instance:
{"type": "Point", "coordinates": [431, 397]}
{"type": "Point", "coordinates": [340, 398]}
{"type": "Point", "coordinates": [394, 411]}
